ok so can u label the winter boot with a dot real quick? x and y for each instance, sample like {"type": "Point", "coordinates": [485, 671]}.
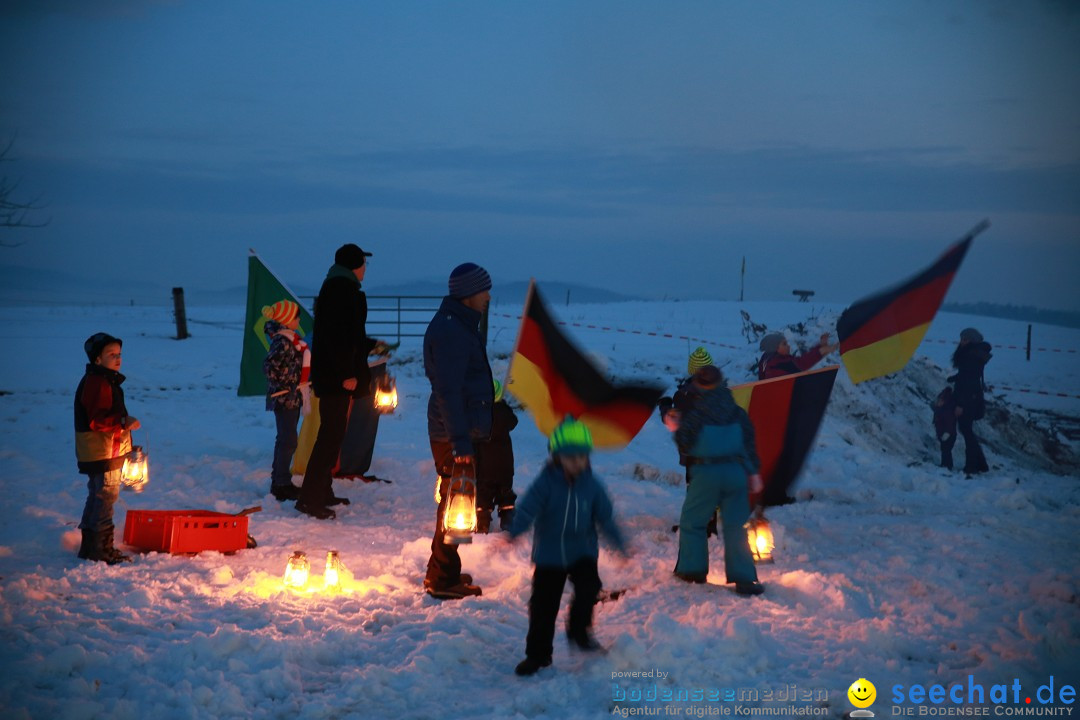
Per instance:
{"type": "Point", "coordinates": [483, 521]}
{"type": "Point", "coordinates": [506, 518]}
{"type": "Point", "coordinates": [749, 588]}
{"type": "Point", "coordinates": [88, 549]}
{"type": "Point", "coordinates": [530, 665]}
{"type": "Point", "coordinates": [583, 641]}
{"type": "Point", "coordinates": [108, 553]}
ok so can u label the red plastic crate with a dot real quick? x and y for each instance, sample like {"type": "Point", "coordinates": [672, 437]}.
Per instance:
{"type": "Point", "coordinates": [185, 531]}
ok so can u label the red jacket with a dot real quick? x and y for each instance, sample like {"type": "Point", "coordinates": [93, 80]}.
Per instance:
{"type": "Point", "coordinates": [774, 365]}
{"type": "Point", "coordinates": [101, 440]}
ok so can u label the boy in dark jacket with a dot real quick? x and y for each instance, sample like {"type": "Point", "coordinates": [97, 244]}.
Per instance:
{"type": "Point", "coordinates": [102, 442]}
{"type": "Point", "coordinates": [495, 467]}
{"type": "Point", "coordinates": [286, 366]}
{"type": "Point", "coordinates": [945, 425]}
{"type": "Point", "coordinates": [718, 440]}
{"type": "Point", "coordinates": [566, 503]}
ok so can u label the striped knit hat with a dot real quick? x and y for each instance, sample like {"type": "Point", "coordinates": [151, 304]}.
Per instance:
{"type": "Point", "coordinates": [282, 312]}
{"type": "Point", "coordinates": [698, 359]}
{"type": "Point", "coordinates": [467, 280]}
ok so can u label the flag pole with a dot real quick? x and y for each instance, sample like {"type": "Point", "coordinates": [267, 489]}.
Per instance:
{"type": "Point", "coordinates": [521, 327]}
{"type": "Point", "coordinates": [274, 275]}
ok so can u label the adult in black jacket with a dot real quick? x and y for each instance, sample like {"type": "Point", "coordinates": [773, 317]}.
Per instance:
{"type": "Point", "coordinates": [969, 359]}
{"type": "Point", "coordinates": [339, 372]}
{"type": "Point", "coordinates": [459, 409]}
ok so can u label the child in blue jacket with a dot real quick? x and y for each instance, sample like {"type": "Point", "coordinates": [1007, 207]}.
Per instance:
{"type": "Point", "coordinates": [566, 503]}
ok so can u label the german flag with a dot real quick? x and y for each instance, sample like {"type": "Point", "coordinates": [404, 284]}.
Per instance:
{"type": "Point", "coordinates": [880, 333]}
{"type": "Point", "coordinates": [553, 379]}
{"type": "Point", "coordinates": [785, 412]}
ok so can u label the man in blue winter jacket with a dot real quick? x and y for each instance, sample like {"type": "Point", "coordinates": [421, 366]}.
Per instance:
{"type": "Point", "coordinates": [459, 409]}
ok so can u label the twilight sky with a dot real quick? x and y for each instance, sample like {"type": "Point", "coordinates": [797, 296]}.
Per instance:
{"type": "Point", "coordinates": [643, 147]}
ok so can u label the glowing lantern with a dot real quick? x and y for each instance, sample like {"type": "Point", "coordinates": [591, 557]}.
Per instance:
{"type": "Point", "coordinates": [296, 571]}
{"type": "Point", "coordinates": [334, 570]}
{"type": "Point", "coordinates": [386, 395]}
{"type": "Point", "coordinates": [136, 471]}
{"type": "Point", "coordinates": [459, 518]}
{"type": "Point", "coordinates": [760, 537]}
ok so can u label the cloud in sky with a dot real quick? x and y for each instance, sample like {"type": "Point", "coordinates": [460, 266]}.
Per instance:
{"type": "Point", "coordinates": [557, 139]}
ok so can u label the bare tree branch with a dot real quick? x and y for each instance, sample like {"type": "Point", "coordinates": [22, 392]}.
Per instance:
{"type": "Point", "coordinates": [13, 213]}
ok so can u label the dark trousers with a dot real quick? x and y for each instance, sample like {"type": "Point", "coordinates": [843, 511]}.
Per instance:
{"type": "Point", "coordinates": [354, 460]}
{"type": "Point", "coordinates": [318, 483]}
{"type": "Point", "coordinates": [284, 445]}
{"type": "Point", "coordinates": [494, 489]}
{"type": "Point", "coordinates": [102, 490]}
{"type": "Point", "coordinates": [946, 451]}
{"type": "Point", "coordinates": [444, 565]}
{"type": "Point", "coordinates": [974, 460]}
{"type": "Point", "coordinates": [548, 583]}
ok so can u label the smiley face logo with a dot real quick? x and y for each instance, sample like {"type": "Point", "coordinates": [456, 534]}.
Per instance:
{"type": "Point", "coordinates": [862, 693]}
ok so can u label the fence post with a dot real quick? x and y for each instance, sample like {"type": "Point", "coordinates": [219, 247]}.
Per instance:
{"type": "Point", "coordinates": [1029, 344]}
{"type": "Point", "coordinates": [181, 314]}
{"type": "Point", "coordinates": [399, 319]}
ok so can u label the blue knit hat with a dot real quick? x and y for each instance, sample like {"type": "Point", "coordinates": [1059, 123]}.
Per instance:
{"type": "Point", "coordinates": [467, 280]}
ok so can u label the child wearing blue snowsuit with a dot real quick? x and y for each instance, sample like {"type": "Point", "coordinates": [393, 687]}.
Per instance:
{"type": "Point", "coordinates": [718, 440]}
{"type": "Point", "coordinates": [566, 503]}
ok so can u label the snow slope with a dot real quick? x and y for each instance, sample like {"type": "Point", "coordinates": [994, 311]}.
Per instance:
{"type": "Point", "coordinates": [895, 570]}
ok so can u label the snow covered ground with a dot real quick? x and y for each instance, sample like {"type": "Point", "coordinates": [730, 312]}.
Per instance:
{"type": "Point", "coordinates": [894, 570]}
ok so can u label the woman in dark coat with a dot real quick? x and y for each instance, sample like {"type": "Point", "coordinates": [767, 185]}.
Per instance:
{"type": "Point", "coordinates": [969, 359]}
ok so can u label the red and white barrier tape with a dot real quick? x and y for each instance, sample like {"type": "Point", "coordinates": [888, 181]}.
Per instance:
{"type": "Point", "coordinates": [735, 347]}
{"type": "Point", "coordinates": [1033, 391]}
{"type": "Point", "coordinates": [1008, 347]}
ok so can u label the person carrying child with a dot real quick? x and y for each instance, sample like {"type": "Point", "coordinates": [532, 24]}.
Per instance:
{"type": "Point", "coordinates": [969, 359]}
{"type": "Point", "coordinates": [102, 442]}
{"type": "Point", "coordinates": [945, 425]}
{"type": "Point", "coordinates": [495, 467]}
{"type": "Point", "coordinates": [566, 503]}
{"type": "Point", "coordinates": [287, 367]}
{"type": "Point", "coordinates": [718, 440]}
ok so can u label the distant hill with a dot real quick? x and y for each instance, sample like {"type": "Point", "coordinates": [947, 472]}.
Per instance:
{"type": "Point", "coordinates": [1025, 313]}
{"type": "Point", "coordinates": [32, 286]}
{"type": "Point", "coordinates": [511, 293]}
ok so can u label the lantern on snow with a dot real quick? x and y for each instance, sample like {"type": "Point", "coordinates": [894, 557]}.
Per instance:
{"type": "Point", "coordinates": [459, 517]}
{"type": "Point", "coordinates": [136, 471]}
{"type": "Point", "coordinates": [334, 570]}
{"type": "Point", "coordinates": [386, 395]}
{"type": "Point", "coordinates": [297, 570]}
{"type": "Point", "coordinates": [760, 537]}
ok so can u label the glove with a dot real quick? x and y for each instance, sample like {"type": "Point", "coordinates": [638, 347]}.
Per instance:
{"type": "Point", "coordinates": [755, 484]}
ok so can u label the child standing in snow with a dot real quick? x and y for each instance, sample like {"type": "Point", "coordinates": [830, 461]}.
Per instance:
{"type": "Point", "coordinates": [102, 442]}
{"type": "Point", "coordinates": [566, 503]}
{"type": "Point", "coordinates": [945, 425]}
{"type": "Point", "coordinates": [495, 467]}
{"type": "Point", "coordinates": [286, 366]}
{"type": "Point", "coordinates": [718, 440]}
